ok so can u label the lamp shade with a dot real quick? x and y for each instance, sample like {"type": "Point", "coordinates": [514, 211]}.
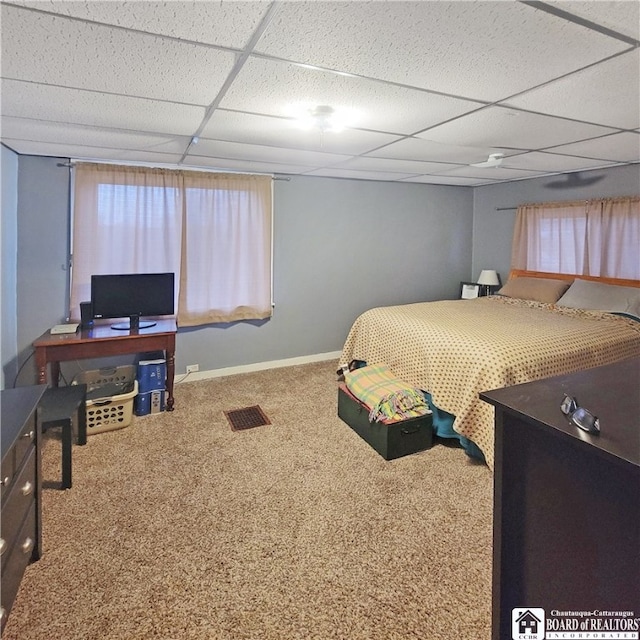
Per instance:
{"type": "Point", "coordinates": [489, 278]}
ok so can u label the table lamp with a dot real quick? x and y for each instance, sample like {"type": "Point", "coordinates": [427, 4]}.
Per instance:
{"type": "Point", "coordinates": [488, 278]}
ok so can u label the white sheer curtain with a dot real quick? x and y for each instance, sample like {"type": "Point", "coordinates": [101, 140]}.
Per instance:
{"type": "Point", "coordinates": [212, 230]}
{"type": "Point", "coordinates": [594, 237]}
{"type": "Point", "coordinates": [226, 265]}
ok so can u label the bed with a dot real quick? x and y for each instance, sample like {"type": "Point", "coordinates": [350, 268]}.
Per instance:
{"type": "Point", "coordinates": [539, 325]}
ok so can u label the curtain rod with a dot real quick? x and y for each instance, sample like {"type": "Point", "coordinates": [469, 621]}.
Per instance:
{"type": "Point", "coordinates": [506, 208]}
{"type": "Point", "coordinates": [71, 165]}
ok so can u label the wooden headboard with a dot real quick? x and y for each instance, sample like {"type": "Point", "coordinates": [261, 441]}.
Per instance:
{"type": "Point", "coordinates": [521, 273]}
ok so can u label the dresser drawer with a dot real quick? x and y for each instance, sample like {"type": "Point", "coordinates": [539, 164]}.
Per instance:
{"type": "Point", "coordinates": [17, 559]}
{"type": "Point", "coordinates": [13, 459]}
{"type": "Point", "coordinates": [17, 501]}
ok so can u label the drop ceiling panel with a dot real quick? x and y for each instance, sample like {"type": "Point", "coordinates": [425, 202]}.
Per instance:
{"type": "Point", "coordinates": [243, 166]}
{"type": "Point", "coordinates": [544, 161]}
{"type": "Point", "coordinates": [268, 130]}
{"type": "Point", "coordinates": [253, 152]}
{"type": "Point", "coordinates": [269, 87]}
{"type": "Point", "coordinates": [71, 53]}
{"type": "Point", "coordinates": [333, 172]}
{"type": "Point", "coordinates": [226, 24]}
{"type": "Point", "coordinates": [56, 104]}
{"type": "Point", "coordinates": [487, 50]}
{"type": "Point", "coordinates": [619, 147]}
{"type": "Point", "coordinates": [34, 130]}
{"type": "Point", "coordinates": [428, 150]}
{"type": "Point", "coordinates": [449, 180]}
{"type": "Point", "coordinates": [500, 127]}
{"type": "Point", "coordinates": [600, 94]}
{"type": "Point", "coordinates": [488, 173]}
{"type": "Point", "coordinates": [401, 166]}
{"type": "Point", "coordinates": [58, 150]}
{"type": "Point", "coordinates": [621, 16]}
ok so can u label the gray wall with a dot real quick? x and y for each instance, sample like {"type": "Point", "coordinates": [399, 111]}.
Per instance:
{"type": "Point", "coordinates": [43, 249]}
{"type": "Point", "coordinates": [8, 293]}
{"type": "Point", "coordinates": [493, 228]}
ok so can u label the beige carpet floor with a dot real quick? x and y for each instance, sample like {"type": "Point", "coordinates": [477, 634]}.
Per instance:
{"type": "Point", "coordinates": [179, 528]}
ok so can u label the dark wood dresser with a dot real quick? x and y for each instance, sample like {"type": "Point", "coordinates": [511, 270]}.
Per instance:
{"type": "Point", "coordinates": [566, 527]}
{"type": "Point", "coordinates": [21, 536]}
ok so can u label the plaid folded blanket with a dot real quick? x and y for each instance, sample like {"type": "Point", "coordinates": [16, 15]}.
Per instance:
{"type": "Point", "coordinates": [387, 397]}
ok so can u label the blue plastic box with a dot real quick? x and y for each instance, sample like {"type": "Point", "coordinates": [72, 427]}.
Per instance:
{"type": "Point", "coordinates": [149, 402]}
{"type": "Point", "coordinates": [151, 374]}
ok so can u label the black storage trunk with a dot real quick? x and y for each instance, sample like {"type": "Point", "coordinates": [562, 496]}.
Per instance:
{"type": "Point", "coordinates": [391, 440]}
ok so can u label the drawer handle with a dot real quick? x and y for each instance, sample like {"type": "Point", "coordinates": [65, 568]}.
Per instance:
{"type": "Point", "coordinates": [5, 481]}
{"type": "Point", "coordinates": [29, 434]}
{"type": "Point", "coordinates": [27, 488]}
{"type": "Point", "coordinates": [27, 545]}
{"type": "Point", "coordinates": [3, 546]}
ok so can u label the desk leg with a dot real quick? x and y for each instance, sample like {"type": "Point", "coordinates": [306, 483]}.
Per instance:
{"type": "Point", "coordinates": [55, 373]}
{"type": "Point", "coordinates": [41, 366]}
{"type": "Point", "coordinates": [171, 372]}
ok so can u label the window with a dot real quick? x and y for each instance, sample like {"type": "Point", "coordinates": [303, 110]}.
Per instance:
{"type": "Point", "coordinates": [594, 237]}
{"type": "Point", "coordinates": [212, 230]}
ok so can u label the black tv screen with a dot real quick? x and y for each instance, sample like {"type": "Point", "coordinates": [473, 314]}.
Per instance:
{"type": "Point", "coordinates": [133, 295]}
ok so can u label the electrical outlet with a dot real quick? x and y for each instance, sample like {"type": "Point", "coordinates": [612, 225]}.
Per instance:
{"type": "Point", "coordinates": [193, 368]}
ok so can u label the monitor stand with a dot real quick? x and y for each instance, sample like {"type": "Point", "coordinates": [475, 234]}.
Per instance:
{"type": "Point", "coordinates": [133, 325]}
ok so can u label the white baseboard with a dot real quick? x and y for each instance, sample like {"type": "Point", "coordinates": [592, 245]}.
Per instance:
{"type": "Point", "coordinates": [258, 366]}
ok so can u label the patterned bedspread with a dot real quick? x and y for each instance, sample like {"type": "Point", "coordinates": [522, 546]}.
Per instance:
{"type": "Point", "coordinates": [454, 349]}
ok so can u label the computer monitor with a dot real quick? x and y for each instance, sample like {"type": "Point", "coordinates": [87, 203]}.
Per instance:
{"type": "Point", "coordinates": [133, 295]}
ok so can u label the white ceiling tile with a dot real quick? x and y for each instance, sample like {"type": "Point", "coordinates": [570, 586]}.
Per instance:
{"type": "Point", "coordinates": [227, 24]}
{"type": "Point", "coordinates": [401, 166]}
{"type": "Point", "coordinates": [622, 16]}
{"type": "Point", "coordinates": [546, 161]}
{"type": "Point", "coordinates": [269, 87]}
{"type": "Point", "coordinates": [39, 47]}
{"type": "Point", "coordinates": [602, 94]}
{"type": "Point", "coordinates": [619, 147]}
{"type": "Point", "coordinates": [501, 127]}
{"type": "Point", "coordinates": [34, 130]}
{"type": "Point", "coordinates": [498, 173]}
{"type": "Point", "coordinates": [274, 131]}
{"type": "Point", "coordinates": [487, 50]}
{"type": "Point", "coordinates": [333, 172]}
{"type": "Point", "coordinates": [428, 150]}
{"type": "Point", "coordinates": [80, 152]}
{"type": "Point", "coordinates": [449, 180]}
{"type": "Point", "coordinates": [242, 166]}
{"type": "Point", "coordinates": [56, 104]}
{"type": "Point", "coordinates": [260, 153]}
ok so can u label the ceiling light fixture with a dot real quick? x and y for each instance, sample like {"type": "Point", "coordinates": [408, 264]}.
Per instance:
{"type": "Point", "coordinates": [494, 160]}
{"type": "Point", "coordinates": [322, 117]}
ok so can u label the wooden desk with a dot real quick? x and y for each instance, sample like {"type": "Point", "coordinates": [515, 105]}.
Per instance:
{"type": "Point", "coordinates": [100, 341]}
{"type": "Point", "coordinates": [566, 522]}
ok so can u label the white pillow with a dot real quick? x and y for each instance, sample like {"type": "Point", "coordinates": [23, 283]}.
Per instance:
{"type": "Point", "coordinates": [598, 296]}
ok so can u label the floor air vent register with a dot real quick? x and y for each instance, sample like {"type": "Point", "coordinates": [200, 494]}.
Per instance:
{"type": "Point", "coordinates": [247, 418]}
